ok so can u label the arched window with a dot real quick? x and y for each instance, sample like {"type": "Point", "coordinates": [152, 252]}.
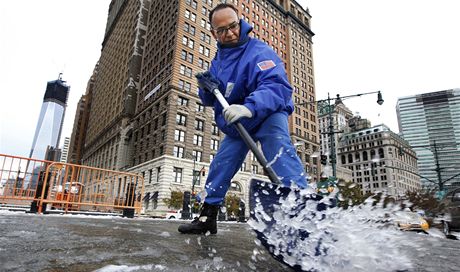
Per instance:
{"type": "Point", "coordinates": [381, 153]}
{"type": "Point", "coordinates": [235, 186]}
{"type": "Point", "coordinates": [350, 158]}
{"type": "Point", "coordinates": [372, 154]}
{"type": "Point", "coordinates": [364, 155]}
{"type": "Point", "coordinates": [343, 159]}
{"type": "Point", "coordinates": [357, 156]}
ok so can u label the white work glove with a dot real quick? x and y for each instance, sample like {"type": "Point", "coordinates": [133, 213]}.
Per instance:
{"type": "Point", "coordinates": [235, 112]}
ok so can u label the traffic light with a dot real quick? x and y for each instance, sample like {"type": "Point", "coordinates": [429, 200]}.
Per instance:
{"type": "Point", "coordinates": [323, 159]}
{"type": "Point", "coordinates": [332, 160]}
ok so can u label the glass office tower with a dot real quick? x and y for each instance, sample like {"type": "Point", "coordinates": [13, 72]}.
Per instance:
{"type": "Point", "coordinates": [430, 122]}
{"type": "Point", "coordinates": [51, 119]}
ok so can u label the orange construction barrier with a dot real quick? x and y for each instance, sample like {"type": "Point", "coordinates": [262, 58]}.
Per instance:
{"type": "Point", "coordinates": [68, 187]}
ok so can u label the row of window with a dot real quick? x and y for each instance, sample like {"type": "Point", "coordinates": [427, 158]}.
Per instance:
{"type": "Point", "coordinates": [265, 14]}
{"type": "Point", "coordinates": [182, 101]}
{"type": "Point", "coordinates": [178, 173]}
{"type": "Point", "coordinates": [191, 30]}
{"type": "Point", "coordinates": [372, 153]}
{"type": "Point", "coordinates": [150, 127]}
{"type": "Point", "coordinates": [194, 4]}
{"type": "Point", "coordinates": [150, 175]}
{"type": "Point", "coordinates": [105, 157]}
{"type": "Point", "coordinates": [192, 17]}
{"type": "Point", "coordinates": [185, 70]}
{"type": "Point", "coordinates": [303, 74]}
{"type": "Point", "coordinates": [189, 57]}
{"type": "Point", "coordinates": [179, 152]}
{"type": "Point", "coordinates": [147, 156]}
{"type": "Point", "coordinates": [304, 134]}
{"type": "Point", "coordinates": [359, 173]}
{"type": "Point", "coordinates": [190, 43]}
{"type": "Point", "coordinates": [181, 120]}
{"type": "Point", "coordinates": [179, 136]}
{"type": "Point", "coordinates": [265, 22]}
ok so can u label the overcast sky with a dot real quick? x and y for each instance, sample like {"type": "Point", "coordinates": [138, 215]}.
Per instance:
{"type": "Point", "coordinates": [400, 47]}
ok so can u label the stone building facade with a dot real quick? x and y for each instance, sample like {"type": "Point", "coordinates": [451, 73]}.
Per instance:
{"type": "Point", "coordinates": [373, 155]}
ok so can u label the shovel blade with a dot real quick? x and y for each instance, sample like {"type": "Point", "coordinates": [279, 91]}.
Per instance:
{"type": "Point", "coordinates": [268, 204]}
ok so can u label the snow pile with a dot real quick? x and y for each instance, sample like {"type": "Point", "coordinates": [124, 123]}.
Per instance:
{"type": "Point", "coordinates": [361, 238]}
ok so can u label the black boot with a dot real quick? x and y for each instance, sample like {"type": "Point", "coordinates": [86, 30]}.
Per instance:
{"type": "Point", "coordinates": [206, 222]}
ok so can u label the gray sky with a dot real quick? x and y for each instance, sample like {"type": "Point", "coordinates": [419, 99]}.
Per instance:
{"type": "Point", "coordinates": [401, 47]}
{"type": "Point", "coordinates": [38, 40]}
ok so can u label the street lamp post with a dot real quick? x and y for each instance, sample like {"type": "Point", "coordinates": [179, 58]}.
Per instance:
{"type": "Point", "coordinates": [193, 176]}
{"type": "Point", "coordinates": [438, 169]}
{"type": "Point", "coordinates": [187, 201]}
{"type": "Point", "coordinates": [331, 133]}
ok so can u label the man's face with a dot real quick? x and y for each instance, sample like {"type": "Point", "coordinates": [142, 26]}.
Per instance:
{"type": "Point", "coordinates": [225, 26]}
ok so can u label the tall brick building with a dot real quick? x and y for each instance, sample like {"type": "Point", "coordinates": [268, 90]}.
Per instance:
{"type": "Point", "coordinates": [80, 123]}
{"type": "Point", "coordinates": [115, 87]}
{"type": "Point", "coordinates": [145, 113]}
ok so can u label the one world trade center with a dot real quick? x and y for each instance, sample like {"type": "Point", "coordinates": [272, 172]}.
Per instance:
{"type": "Point", "coordinates": [50, 121]}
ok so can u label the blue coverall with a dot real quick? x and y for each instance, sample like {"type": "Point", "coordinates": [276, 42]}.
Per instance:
{"type": "Point", "coordinates": [251, 74]}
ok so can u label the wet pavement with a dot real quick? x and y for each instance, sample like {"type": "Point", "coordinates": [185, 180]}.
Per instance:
{"type": "Point", "coordinates": [31, 242]}
{"type": "Point", "coordinates": [87, 243]}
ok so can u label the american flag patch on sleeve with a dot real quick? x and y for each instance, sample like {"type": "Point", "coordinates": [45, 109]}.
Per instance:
{"type": "Point", "coordinates": [266, 64]}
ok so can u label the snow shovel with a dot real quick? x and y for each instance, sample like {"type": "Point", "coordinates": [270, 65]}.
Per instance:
{"type": "Point", "coordinates": [265, 200]}
{"type": "Point", "coordinates": [249, 141]}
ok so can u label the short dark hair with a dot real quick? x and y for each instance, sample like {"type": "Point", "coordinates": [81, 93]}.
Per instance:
{"type": "Point", "coordinates": [219, 7]}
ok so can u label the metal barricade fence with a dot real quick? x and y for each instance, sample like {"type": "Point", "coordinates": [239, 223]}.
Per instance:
{"type": "Point", "coordinates": [68, 187]}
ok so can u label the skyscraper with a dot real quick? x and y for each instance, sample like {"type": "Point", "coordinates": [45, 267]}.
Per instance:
{"type": "Point", "coordinates": [145, 114]}
{"type": "Point", "coordinates": [430, 122]}
{"type": "Point", "coordinates": [49, 125]}
{"type": "Point", "coordinates": [80, 123]}
{"type": "Point", "coordinates": [112, 102]}
{"type": "Point", "coordinates": [65, 150]}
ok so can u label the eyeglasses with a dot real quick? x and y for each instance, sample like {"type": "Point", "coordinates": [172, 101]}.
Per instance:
{"type": "Point", "coordinates": [223, 30]}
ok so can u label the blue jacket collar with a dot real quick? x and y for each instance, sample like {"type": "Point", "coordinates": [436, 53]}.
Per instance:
{"type": "Point", "coordinates": [245, 29]}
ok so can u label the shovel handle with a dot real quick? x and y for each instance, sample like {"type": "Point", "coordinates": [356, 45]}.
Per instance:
{"type": "Point", "coordinates": [249, 141]}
